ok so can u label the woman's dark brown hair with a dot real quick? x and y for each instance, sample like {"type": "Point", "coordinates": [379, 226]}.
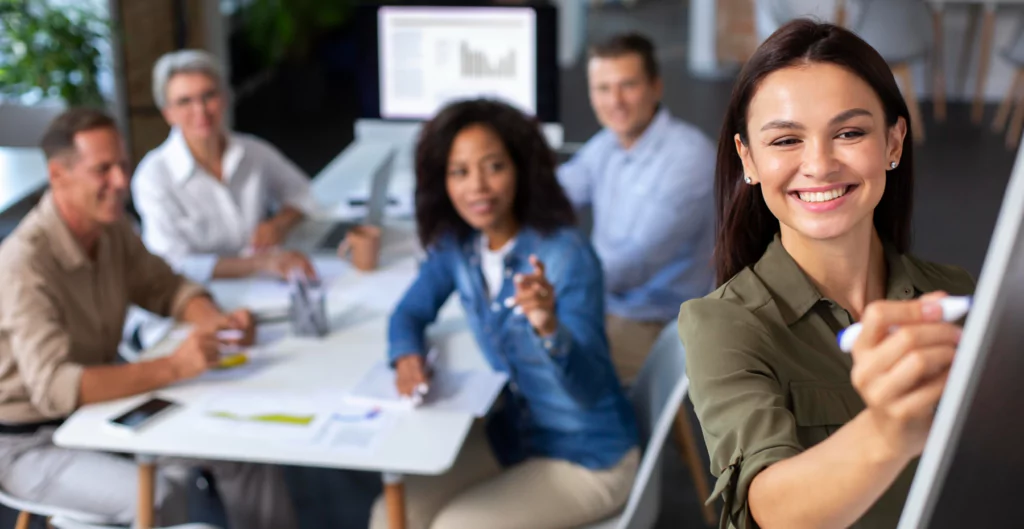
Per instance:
{"type": "Point", "coordinates": [745, 224]}
{"type": "Point", "coordinates": [540, 202]}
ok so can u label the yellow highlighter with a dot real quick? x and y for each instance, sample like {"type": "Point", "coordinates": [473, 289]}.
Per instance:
{"type": "Point", "coordinates": [234, 360]}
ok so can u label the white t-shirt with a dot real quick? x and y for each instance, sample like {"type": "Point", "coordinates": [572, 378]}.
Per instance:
{"type": "Point", "coordinates": [492, 265]}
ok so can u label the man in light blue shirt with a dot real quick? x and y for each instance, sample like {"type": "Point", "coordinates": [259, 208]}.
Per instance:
{"type": "Point", "coordinates": [648, 178]}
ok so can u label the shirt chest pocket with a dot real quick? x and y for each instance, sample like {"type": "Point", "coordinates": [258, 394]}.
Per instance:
{"type": "Point", "coordinates": [820, 409]}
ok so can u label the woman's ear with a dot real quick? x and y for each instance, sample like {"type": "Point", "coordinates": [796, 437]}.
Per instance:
{"type": "Point", "coordinates": [897, 133]}
{"type": "Point", "coordinates": [743, 150]}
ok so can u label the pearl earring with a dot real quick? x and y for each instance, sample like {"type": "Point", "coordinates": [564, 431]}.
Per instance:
{"type": "Point", "coordinates": [747, 179]}
{"type": "Point", "coordinates": [892, 165]}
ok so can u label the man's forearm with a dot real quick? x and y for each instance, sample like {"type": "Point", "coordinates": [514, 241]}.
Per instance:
{"type": "Point", "coordinates": [235, 267]}
{"type": "Point", "coordinates": [201, 310]}
{"type": "Point", "coordinates": [103, 383]}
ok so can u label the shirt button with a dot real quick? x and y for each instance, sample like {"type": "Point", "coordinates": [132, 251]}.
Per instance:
{"type": "Point", "coordinates": [495, 306]}
{"type": "Point", "coordinates": [508, 272]}
{"type": "Point", "coordinates": [513, 387]}
{"type": "Point", "coordinates": [547, 344]}
{"type": "Point", "coordinates": [487, 328]}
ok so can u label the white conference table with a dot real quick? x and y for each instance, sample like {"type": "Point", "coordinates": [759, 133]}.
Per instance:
{"type": "Point", "coordinates": [22, 173]}
{"type": "Point", "coordinates": [423, 442]}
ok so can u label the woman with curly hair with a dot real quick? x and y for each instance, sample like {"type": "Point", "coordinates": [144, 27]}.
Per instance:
{"type": "Point", "coordinates": [560, 450]}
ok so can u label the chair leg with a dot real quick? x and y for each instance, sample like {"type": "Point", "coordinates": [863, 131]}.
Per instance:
{"type": "Point", "coordinates": [905, 78]}
{"type": "Point", "coordinates": [24, 518]}
{"type": "Point", "coordinates": [988, 22]}
{"type": "Point", "coordinates": [938, 67]}
{"type": "Point", "coordinates": [688, 446]}
{"type": "Point", "coordinates": [967, 51]}
{"type": "Point", "coordinates": [1003, 113]}
{"type": "Point", "coordinates": [840, 13]}
{"type": "Point", "coordinates": [1016, 124]}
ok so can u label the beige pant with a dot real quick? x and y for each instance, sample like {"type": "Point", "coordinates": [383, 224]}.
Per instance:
{"type": "Point", "coordinates": [630, 341]}
{"type": "Point", "coordinates": [536, 494]}
{"type": "Point", "coordinates": [34, 469]}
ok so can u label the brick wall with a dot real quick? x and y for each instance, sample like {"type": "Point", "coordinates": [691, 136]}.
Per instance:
{"type": "Point", "coordinates": [736, 35]}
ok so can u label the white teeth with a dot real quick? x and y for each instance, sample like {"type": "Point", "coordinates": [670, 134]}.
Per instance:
{"type": "Point", "coordinates": [822, 196]}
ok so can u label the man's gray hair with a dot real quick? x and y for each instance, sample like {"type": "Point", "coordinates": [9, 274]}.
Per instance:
{"type": "Point", "coordinates": [183, 61]}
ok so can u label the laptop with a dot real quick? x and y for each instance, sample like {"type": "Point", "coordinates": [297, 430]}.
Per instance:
{"type": "Point", "coordinates": [971, 473]}
{"type": "Point", "coordinates": [375, 206]}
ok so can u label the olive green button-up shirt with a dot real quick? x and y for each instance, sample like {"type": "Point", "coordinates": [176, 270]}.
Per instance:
{"type": "Point", "coordinates": [767, 378]}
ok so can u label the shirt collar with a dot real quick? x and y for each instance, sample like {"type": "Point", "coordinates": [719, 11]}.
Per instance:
{"type": "Point", "coordinates": [183, 164]}
{"type": "Point", "coordinates": [652, 135]}
{"type": "Point", "coordinates": [794, 293]}
{"type": "Point", "coordinates": [63, 243]}
{"type": "Point", "coordinates": [522, 247]}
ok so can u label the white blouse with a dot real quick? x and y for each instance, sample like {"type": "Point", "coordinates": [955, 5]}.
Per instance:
{"type": "Point", "coordinates": [190, 218]}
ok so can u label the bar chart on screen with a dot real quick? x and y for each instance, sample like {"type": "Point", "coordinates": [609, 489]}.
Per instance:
{"type": "Point", "coordinates": [430, 56]}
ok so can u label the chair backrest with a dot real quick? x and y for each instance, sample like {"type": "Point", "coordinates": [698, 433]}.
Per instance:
{"type": "Point", "coordinates": [770, 15]}
{"type": "Point", "coordinates": [1014, 52]}
{"type": "Point", "coordinates": [20, 505]}
{"type": "Point", "coordinates": [60, 522]}
{"type": "Point", "coordinates": [656, 395]}
{"type": "Point", "coordinates": [900, 30]}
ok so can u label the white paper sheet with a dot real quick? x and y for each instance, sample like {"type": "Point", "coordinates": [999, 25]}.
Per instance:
{"type": "Point", "coordinates": [317, 418]}
{"type": "Point", "coordinates": [459, 391]}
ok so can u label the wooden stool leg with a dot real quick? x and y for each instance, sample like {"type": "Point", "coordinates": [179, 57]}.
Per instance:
{"type": "Point", "coordinates": [938, 68]}
{"type": "Point", "coordinates": [1004, 108]}
{"type": "Point", "coordinates": [966, 52]}
{"type": "Point", "coordinates": [394, 498]}
{"type": "Point", "coordinates": [987, 26]}
{"type": "Point", "coordinates": [1016, 124]}
{"type": "Point", "coordinates": [688, 446]}
{"type": "Point", "coordinates": [24, 518]}
{"type": "Point", "coordinates": [903, 75]}
{"type": "Point", "coordinates": [840, 13]}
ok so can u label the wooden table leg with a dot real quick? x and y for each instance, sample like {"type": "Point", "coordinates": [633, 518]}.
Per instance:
{"type": "Point", "coordinates": [988, 22]}
{"type": "Point", "coordinates": [24, 519]}
{"type": "Point", "coordinates": [394, 498]}
{"type": "Point", "coordinates": [147, 482]}
{"type": "Point", "coordinates": [688, 446]}
{"type": "Point", "coordinates": [938, 66]}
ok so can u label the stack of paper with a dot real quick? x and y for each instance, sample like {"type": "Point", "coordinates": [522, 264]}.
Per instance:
{"type": "Point", "coordinates": [459, 391]}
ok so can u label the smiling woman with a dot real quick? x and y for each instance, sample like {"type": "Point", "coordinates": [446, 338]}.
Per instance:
{"type": "Point", "coordinates": [814, 185]}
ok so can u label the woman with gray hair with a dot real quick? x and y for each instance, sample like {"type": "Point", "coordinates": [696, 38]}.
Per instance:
{"type": "Point", "coordinates": [204, 193]}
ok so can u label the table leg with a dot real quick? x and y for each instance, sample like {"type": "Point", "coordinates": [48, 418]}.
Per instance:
{"type": "Point", "coordinates": [394, 498]}
{"type": "Point", "coordinates": [987, 29]}
{"type": "Point", "coordinates": [147, 481]}
{"type": "Point", "coordinates": [938, 67]}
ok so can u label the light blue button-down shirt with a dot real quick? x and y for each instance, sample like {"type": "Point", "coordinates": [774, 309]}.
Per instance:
{"type": "Point", "coordinates": [653, 208]}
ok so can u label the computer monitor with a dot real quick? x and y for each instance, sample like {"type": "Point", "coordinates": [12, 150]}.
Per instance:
{"type": "Point", "coordinates": [971, 473]}
{"type": "Point", "coordinates": [417, 58]}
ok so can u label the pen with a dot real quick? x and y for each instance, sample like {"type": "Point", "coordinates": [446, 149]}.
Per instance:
{"type": "Point", "coordinates": [953, 308]}
{"type": "Point", "coordinates": [422, 389]}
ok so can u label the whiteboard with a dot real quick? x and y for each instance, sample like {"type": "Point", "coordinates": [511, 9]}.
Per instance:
{"type": "Point", "coordinates": [971, 473]}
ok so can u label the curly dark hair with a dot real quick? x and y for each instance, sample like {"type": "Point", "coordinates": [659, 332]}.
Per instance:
{"type": "Point", "coordinates": [540, 202]}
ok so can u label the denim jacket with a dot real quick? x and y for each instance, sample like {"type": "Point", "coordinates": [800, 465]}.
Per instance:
{"type": "Point", "coordinates": [563, 399]}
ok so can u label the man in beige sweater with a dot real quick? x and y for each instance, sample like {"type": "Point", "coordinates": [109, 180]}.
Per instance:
{"type": "Point", "coordinates": [70, 271]}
